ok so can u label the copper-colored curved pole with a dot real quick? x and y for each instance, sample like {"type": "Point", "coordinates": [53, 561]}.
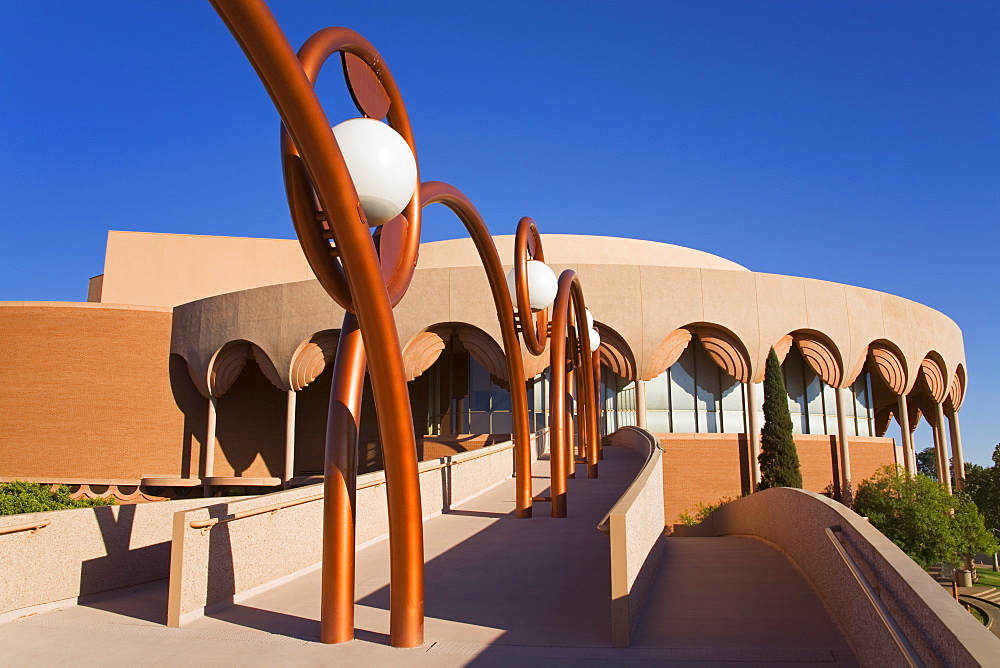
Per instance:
{"type": "Point", "coordinates": [308, 220]}
{"type": "Point", "coordinates": [437, 192]}
{"type": "Point", "coordinates": [569, 295]}
{"type": "Point", "coordinates": [527, 242]}
{"type": "Point", "coordinates": [585, 385]}
{"type": "Point", "coordinates": [557, 395]}
{"type": "Point", "coordinates": [593, 456]}
{"type": "Point", "coordinates": [265, 46]}
{"type": "Point", "coordinates": [340, 485]}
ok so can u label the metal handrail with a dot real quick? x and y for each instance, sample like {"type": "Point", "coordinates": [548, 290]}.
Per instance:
{"type": "Point", "coordinates": [902, 643]}
{"type": "Point", "coordinates": [273, 508]}
{"type": "Point", "coordinates": [31, 526]}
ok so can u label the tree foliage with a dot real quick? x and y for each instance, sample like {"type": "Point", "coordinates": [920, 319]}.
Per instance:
{"type": "Point", "coordinates": [983, 487]}
{"type": "Point", "coordinates": [919, 516]}
{"type": "Point", "coordinates": [779, 460]}
{"type": "Point", "coordinates": [927, 462]}
{"type": "Point", "coordinates": [31, 497]}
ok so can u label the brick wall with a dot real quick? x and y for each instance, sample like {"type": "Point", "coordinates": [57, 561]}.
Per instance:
{"type": "Point", "coordinates": [86, 392]}
{"type": "Point", "coordinates": [708, 467]}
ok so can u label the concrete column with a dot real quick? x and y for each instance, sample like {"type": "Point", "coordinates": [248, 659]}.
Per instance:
{"type": "Point", "coordinates": [956, 450]}
{"type": "Point", "coordinates": [209, 470]}
{"type": "Point", "coordinates": [289, 440]}
{"type": "Point", "coordinates": [944, 471]}
{"type": "Point", "coordinates": [753, 425]}
{"type": "Point", "coordinates": [640, 404]}
{"type": "Point", "coordinates": [845, 453]}
{"type": "Point", "coordinates": [906, 436]}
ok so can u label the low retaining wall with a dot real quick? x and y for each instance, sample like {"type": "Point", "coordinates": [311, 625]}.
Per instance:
{"type": "Point", "coordinates": [635, 525]}
{"type": "Point", "coordinates": [244, 552]}
{"type": "Point", "coordinates": [82, 551]}
{"type": "Point", "coordinates": [888, 608]}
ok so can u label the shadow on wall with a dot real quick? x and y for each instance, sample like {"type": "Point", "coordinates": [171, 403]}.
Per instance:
{"type": "Point", "coordinates": [221, 583]}
{"type": "Point", "coordinates": [104, 573]}
{"type": "Point", "coordinates": [195, 410]}
{"type": "Point", "coordinates": [251, 427]}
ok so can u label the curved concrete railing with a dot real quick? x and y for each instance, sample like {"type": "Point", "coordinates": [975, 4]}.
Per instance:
{"type": "Point", "coordinates": [635, 525]}
{"type": "Point", "coordinates": [889, 609]}
{"type": "Point", "coordinates": [227, 552]}
{"type": "Point", "coordinates": [52, 559]}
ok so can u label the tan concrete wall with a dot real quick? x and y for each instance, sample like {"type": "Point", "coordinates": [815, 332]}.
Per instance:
{"type": "Point", "coordinates": [940, 631]}
{"type": "Point", "coordinates": [642, 303]}
{"type": "Point", "coordinates": [171, 269]}
{"type": "Point", "coordinates": [635, 528]}
{"type": "Point", "coordinates": [84, 551]}
{"type": "Point", "coordinates": [235, 559]}
{"type": "Point", "coordinates": [566, 249]}
{"type": "Point", "coordinates": [89, 392]}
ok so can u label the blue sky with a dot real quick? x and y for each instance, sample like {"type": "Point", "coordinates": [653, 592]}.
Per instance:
{"type": "Point", "coordinates": [856, 142]}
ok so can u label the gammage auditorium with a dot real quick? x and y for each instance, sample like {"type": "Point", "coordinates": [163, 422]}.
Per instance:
{"type": "Point", "coordinates": [201, 366]}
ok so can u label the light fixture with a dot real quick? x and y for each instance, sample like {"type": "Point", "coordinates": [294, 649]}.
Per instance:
{"type": "Point", "coordinates": [590, 319]}
{"type": "Point", "coordinates": [595, 338]}
{"type": "Point", "coordinates": [542, 285]}
{"type": "Point", "coordinates": [382, 167]}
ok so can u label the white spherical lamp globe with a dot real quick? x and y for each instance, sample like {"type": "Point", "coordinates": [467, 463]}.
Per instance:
{"type": "Point", "coordinates": [382, 167]}
{"type": "Point", "coordinates": [595, 339]}
{"type": "Point", "coordinates": [590, 318]}
{"type": "Point", "coordinates": [542, 285]}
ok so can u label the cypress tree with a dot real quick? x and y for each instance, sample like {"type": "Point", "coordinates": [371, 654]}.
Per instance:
{"type": "Point", "coordinates": [779, 460]}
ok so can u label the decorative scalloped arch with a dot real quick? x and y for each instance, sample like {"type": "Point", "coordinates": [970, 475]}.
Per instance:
{"type": "Point", "coordinates": [667, 353]}
{"type": "Point", "coordinates": [199, 383]}
{"type": "Point", "coordinates": [484, 350]}
{"type": "Point", "coordinates": [781, 348]}
{"type": "Point", "coordinates": [615, 352]}
{"type": "Point", "coordinates": [821, 355]}
{"type": "Point", "coordinates": [856, 370]}
{"type": "Point", "coordinates": [421, 353]}
{"type": "Point", "coordinates": [267, 367]}
{"type": "Point", "coordinates": [726, 350]}
{"type": "Point", "coordinates": [932, 373]}
{"type": "Point", "coordinates": [226, 366]}
{"type": "Point", "coordinates": [882, 418]}
{"type": "Point", "coordinates": [426, 347]}
{"type": "Point", "coordinates": [535, 364]}
{"type": "Point", "coordinates": [915, 410]}
{"type": "Point", "coordinates": [956, 391]}
{"type": "Point", "coordinates": [311, 358]}
{"type": "Point", "coordinates": [228, 363]}
{"type": "Point", "coordinates": [890, 364]}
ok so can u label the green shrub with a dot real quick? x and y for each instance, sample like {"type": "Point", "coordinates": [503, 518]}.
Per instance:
{"type": "Point", "coordinates": [703, 511]}
{"type": "Point", "coordinates": [31, 497]}
{"type": "Point", "coordinates": [919, 516]}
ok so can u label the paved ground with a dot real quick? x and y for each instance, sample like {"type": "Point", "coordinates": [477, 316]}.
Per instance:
{"type": "Point", "coordinates": [500, 591]}
{"type": "Point", "coordinates": [986, 599]}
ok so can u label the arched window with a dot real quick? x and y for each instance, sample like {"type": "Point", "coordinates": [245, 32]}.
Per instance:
{"type": "Point", "coordinates": [813, 404]}
{"type": "Point", "coordinates": [695, 396]}
{"type": "Point", "coordinates": [458, 395]}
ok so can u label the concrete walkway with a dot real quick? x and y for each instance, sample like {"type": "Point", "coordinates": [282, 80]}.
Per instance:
{"type": "Point", "coordinates": [499, 591]}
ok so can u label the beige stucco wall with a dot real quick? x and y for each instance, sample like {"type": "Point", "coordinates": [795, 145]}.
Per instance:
{"type": "Point", "coordinates": [644, 304]}
{"type": "Point", "coordinates": [84, 551]}
{"type": "Point", "coordinates": [170, 269]}
{"type": "Point", "coordinates": [232, 558]}
{"type": "Point", "coordinates": [574, 249]}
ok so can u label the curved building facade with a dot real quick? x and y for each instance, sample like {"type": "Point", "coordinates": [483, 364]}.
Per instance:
{"type": "Point", "coordinates": [215, 371]}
